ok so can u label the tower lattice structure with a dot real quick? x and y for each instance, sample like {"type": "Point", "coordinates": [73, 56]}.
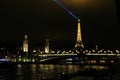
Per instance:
{"type": "Point", "coordinates": [79, 43]}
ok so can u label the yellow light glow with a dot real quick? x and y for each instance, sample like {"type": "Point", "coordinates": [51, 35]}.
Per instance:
{"type": "Point", "coordinates": [75, 1]}
{"type": "Point", "coordinates": [33, 60]}
{"type": "Point", "coordinates": [24, 60]}
{"type": "Point", "coordinates": [112, 61]}
{"type": "Point", "coordinates": [79, 38]}
{"type": "Point", "coordinates": [102, 61]}
{"type": "Point", "coordinates": [14, 60]}
{"type": "Point", "coordinates": [93, 61]}
{"type": "Point", "coordinates": [19, 59]}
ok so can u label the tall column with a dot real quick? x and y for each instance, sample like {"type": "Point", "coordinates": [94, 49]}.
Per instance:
{"type": "Point", "coordinates": [25, 44]}
{"type": "Point", "coordinates": [47, 46]}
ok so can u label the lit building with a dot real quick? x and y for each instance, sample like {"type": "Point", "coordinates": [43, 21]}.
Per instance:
{"type": "Point", "coordinates": [47, 46]}
{"type": "Point", "coordinates": [79, 43]}
{"type": "Point", "coordinates": [25, 44]}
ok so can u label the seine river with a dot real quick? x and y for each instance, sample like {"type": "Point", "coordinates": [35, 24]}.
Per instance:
{"type": "Point", "coordinates": [39, 71]}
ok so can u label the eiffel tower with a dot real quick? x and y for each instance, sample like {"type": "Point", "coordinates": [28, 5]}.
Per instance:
{"type": "Point", "coordinates": [79, 43]}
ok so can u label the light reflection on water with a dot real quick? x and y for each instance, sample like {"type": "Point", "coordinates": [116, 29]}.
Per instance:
{"type": "Point", "coordinates": [50, 70]}
{"type": "Point", "coordinates": [38, 71]}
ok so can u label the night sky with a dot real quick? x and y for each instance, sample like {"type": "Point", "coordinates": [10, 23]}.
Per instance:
{"type": "Point", "coordinates": [42, 19]}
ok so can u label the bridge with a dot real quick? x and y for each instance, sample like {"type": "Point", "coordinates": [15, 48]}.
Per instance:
{"type": "Point", "coordinates": [52, 58]}
{"type": "Point", "coordinates": [75, 54]}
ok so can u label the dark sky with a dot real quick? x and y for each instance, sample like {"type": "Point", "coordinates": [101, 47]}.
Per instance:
{"type": "Point", "coordinates": [42, 19]}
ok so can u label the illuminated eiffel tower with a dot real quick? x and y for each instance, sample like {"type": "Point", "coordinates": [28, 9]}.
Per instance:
{"type": "Point", "coordinates": [79, 43]}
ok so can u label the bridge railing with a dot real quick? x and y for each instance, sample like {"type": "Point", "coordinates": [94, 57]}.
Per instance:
{"type": "Point", "coordinates": [57, 54]}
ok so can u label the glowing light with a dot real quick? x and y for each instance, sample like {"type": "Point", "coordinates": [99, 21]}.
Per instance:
{"type": "Point", "coordinates": [101, 54]}
{"type": "Point", "coordinates": [19, 65]}
{"type": "Point", "coordinates": [25, 44]}
{"type": "Point", "coordinates": [5, 60]}
{"type": "Point", "coordinates": [19, 59]}
{"type": "Point", "coordinates": [93, 61]}
{"type": "Point", "coordinates": [69, 12]}
{"type": "Point", "coordinates": [102, 61]}
{"type": "Point", "coordinates": [24, 60]}
{"type": "Point", "coordinates": [34, 51]}
{"type": "Point", "coordinates": [70, 59]}
{"type": "Point", "coordinates": [27, 60]}
{"type": "Point", "coordinates": [6, 56]}
{"type": "Point", "coordinates": [112, 61]}
{"type": "Point", "coordinates": [79, 38]}
{"type": "Point", "coordinates": [14, 60]}
{"type": "Point", "coordinates": [33, 60]}
{"type": "Point", "coordinates": [47, 46]}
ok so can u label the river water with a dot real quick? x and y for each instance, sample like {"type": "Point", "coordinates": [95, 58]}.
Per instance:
{"type": "Point", "coordinates": [39, 71]}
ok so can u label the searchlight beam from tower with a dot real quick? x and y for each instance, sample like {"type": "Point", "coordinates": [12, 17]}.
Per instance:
{"type": "Point", "coordinates": [79, 43]}
{"type": "Point", "coordinates": [68, 11]}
